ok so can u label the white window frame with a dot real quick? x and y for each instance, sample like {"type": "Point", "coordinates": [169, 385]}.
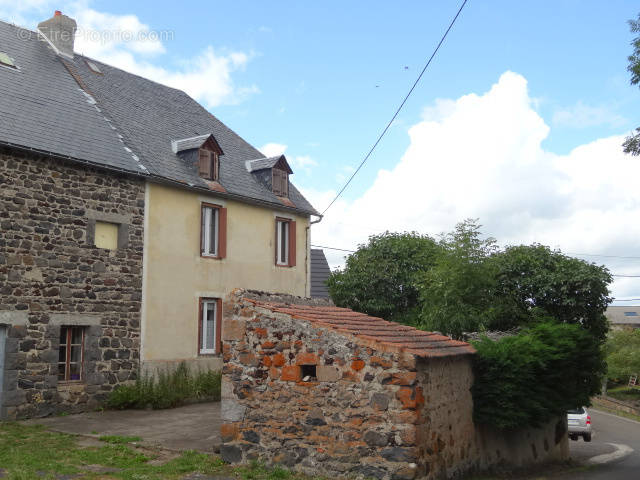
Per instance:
{"type": "Point", "coordinates": [280, 239]}
{"type": "Point", "coordinates": [203, 327]}
{"type": "Point", "coordinates": [209, 214]}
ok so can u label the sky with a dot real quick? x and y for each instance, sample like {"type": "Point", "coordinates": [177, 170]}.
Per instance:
{"type": "Point", "coordinates": [518, 121]}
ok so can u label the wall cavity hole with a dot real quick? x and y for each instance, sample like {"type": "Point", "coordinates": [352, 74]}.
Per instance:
{"type": "Point", "coordinates": [308, 373]}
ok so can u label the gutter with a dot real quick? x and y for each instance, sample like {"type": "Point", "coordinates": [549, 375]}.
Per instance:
{"type": "Point", "coordinates": [307, 263]}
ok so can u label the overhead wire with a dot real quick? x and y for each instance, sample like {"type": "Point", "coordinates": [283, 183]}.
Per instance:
{"type": "Point", "coordinates": [366, 157]}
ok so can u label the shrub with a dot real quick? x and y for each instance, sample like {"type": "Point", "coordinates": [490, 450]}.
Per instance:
{"type": "Point", "coordinates": [168, 389]}
{"type": "Point", "coordinates": [531, 378]}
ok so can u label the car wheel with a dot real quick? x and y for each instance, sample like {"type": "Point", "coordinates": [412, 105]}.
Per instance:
{"type": "Point", "coordinates": [586, 437]}
{"type": "Point", "coordinates": [573, 437]}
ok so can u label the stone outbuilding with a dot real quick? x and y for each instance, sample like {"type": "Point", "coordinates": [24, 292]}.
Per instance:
{"type": "Point", "coordinates": [329, 391]}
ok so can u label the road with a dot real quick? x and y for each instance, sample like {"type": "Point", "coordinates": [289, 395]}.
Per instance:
{"type": "Point", "coordinates": [608, 429]}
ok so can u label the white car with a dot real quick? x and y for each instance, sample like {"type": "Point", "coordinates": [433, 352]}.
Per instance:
{"type": "Point", "coordinates": [579, 422]}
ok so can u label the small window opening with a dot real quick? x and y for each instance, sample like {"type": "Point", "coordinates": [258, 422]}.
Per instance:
{"type": "Point", "coordinates": [280, 182]}
{"type": "Point", "coordinates": [7, 61]}
{"type": "Point", "coordinates": [93, 67]}
{"type": "Point", "coordinates": [282, 242]}
{"type": "Point", "coordinates": [208, 164]}
{"type": "Point", "coordinates": [308, 373]}
{"type": "Point", "coordinates": [630, 314]}
{"type": "Point", "coordinates": [71, 354]}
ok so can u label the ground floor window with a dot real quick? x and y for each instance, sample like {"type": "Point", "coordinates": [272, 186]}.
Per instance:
{"type": "Point", "coordinates": [71, 353]}
{"type": "Point", "coordinates": [209, 325]}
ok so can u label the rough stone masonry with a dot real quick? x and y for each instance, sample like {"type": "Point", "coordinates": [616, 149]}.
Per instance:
{"type": "Point", "coordinates": [52, 276]}
{"type": "Point", "coordinates": [329, 391]}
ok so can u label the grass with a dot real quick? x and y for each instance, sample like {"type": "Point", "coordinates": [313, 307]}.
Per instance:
{"type": "Point", "coordinates": [167, 389]}
{"type": "Point", "coordinates": [625, 394]}
{"type": "Point", "coordinates": [28, 452]}
{"type": "Point", "coordinates": [620, 413]}
{"type": "Point", "coordinates": [118, 439]}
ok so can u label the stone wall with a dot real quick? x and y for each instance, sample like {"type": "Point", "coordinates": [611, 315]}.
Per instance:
{"type": "Point", "coordinates": [358, 416]}
{"type": "Point", "coordinates": [370, 410]}
{"type": "Point", "coordinates": [451, 444]}
{"type": "Point", "coordinates": [51, 275]}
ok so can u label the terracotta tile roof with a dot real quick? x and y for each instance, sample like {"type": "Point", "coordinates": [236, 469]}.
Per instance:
{"type": "Point", "coordinates": [384, 334]}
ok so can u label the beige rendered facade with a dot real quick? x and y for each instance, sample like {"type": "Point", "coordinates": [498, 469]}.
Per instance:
{"type": "Point", "coordinates": [176, 276]}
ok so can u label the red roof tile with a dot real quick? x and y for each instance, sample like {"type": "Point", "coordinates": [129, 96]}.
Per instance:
{"type": "Point", "coordinates": [393, 336]}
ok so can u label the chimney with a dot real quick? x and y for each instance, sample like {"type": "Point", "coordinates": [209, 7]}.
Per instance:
{"type": "Point", "coordinates": [60, 32]}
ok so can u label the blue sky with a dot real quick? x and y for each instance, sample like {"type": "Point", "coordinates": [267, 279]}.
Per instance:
{"type": "Point", "coordinates": [323, 78]}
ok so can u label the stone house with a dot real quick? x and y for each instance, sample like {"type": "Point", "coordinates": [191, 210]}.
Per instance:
{"type": "Point", "coordinates": [127, 212]}
{"type": "Point", "coordinates": [329, 391]}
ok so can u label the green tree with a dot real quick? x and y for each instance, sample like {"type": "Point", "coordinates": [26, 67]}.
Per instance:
{"type": "Point", "coordinates": [380, 278]}
{"type": "Point", "coordinates": [632, 143]}
{"type": "Point", "coordinates": [542, 282]}
{"type": "Point", "coordinates": [457, 294]}
{"type": "Point", "coordinates": [623, 353]}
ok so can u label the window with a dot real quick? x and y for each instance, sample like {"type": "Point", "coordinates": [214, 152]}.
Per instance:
{"type": "Point", "coordinates": [106, 235]}
{"type": "Point", "coordinates": [209, 326]}
{"type": "Point", "coordinates": [630, 314]}
{"type": "Point", "coordinates": [71, 353]}
{"type": "Point", "coordinates": [213, 238]}
{"type": "Point", "coordinates": [285, 242]}
{"type": "Point", "coordinates": [280, 182]}
{"type": "Point", "coordinates": [93, 67]}
{"type": "Point", "coordinates": [7, 61]}
{"type": "Point", "coordinates": [208, 164]}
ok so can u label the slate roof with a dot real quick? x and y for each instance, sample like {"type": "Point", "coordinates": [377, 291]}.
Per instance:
{"type": "Point", "coordinates": [373, 331]}
{"type": "Point", "coordinates": [117, 120]}
{"type": "Point", "coordinates": [320, 272]}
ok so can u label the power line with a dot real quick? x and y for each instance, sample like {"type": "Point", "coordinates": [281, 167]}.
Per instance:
{"type": "Point", "coordinates": [398, 110]}
{"type": "Point", "coordinates": [599, 255]}
{"type": "Point", "coordinates": [334, 248]}
{"type": "Point", "coordinates": [353, 251]}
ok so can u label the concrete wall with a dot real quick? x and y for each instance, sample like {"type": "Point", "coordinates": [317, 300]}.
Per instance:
{"type": "Point", "coordinates": [176, 276]}
{"type": "Point", "coordinates": [52, 275]}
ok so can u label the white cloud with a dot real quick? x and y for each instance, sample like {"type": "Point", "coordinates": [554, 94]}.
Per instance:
{"type": "Point", "coordinates": [301, 162]}
{"type": "Point", "coordinates": [124, 41]}
{"type": "Point", "coordinates": [581, 115]}
{"type": "Point", "coordinates": [480, 156]}
{"type": "Point", "coordinates": [273, 149]}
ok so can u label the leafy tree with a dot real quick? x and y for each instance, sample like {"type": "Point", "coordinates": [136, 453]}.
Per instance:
{"type": "Point", "coordinates": [623, 353]}
{"type": "Point", "coordinates": [632, 143]}
{"type": "Point", "coordinates": [533, 377]}
{"type": "Point", "coordinates": [380, 278]}
{"type": "Point", "coordinates": [543, 282]}
{"type": "Point", "coordinates": [456, 295]}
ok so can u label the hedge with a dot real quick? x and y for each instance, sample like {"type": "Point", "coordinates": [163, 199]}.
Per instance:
{"type": "Point", "coordinates": [531, 378]}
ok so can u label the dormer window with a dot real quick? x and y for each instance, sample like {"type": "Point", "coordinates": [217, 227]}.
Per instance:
{"type": "Point", "coordinates": [273, 173]}
{"type": "Point", "coordinates": [208, 164]}
{"type": "Point", "coordinates": [280, 182]}
{"type": "Point", "coordinates": [201, 153]}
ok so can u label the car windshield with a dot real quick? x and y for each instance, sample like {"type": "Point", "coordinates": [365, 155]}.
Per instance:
{"type": "Point", "coordinates": [576, 411]}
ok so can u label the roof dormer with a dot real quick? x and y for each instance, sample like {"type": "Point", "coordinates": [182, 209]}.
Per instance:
{"type": "Point", "coordinates": [273, 172]}
{"type": "Point", "coordinates": [204, 151]}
